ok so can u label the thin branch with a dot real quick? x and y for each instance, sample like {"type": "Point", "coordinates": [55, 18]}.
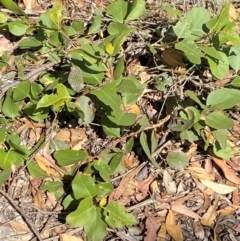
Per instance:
{"type": "Point", "coordinates": [20, 211]}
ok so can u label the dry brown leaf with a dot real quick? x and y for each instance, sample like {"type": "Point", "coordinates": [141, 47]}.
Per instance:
{"type": "Point", "coordinates": [184, 210]}
{"type": "Point", "coordinates": [38, 200]}
{"type": "Point", "coordinates": [19, 226]}
{"type": "Point", "coordinates": [45, 166]}
{"type": "Point", "coordinates": [218, 188]}
{"type": "Point", "coordinates": [201, 173]}
{"type": "Point", "coordinates": [210, 216]}
{"type": "Point", "coordinates": [235, 197]}
{"type": "Point", "coordinates": [152, 227]}
{"type": "Point", "coordinates": [130, 160]}
{"type": "Point", "coordinates": [206, 203]}
{"type": "Point", "coordinates": [162, 233]}
{"type": "Point", "coordinates": [169, 184]}
{"type": "Point", "coordinates": [227, 211]}
{"type": "Point", "coordinates": [173, 229]}
{"type": "Point", "coordinates": [229, 173]}
{"type": "Point", "coordinates": [66, 237]}
{"type": "Point", "coordinates": [143, 186]}
{"type": "Point", "coordinates": [134, 109]}
{"type": "Point", "coordinates": [198, 230]}
{"type": "Point", "coordinates": [172, 57]}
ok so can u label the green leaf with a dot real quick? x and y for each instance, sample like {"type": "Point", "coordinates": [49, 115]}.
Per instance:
{"type": "Point", "coordinates": [219, 67]}
{"type": "Point", "coordinates": [223, 98]}
{"type": "Point", "coordinates": [84, 187]}
{"type": "Point", "coordinates": [218, 120]}
{"type": "Point", "coordinates": [194, 97]}
{"type": "Point", "coordinates": [191, 51]}
{"type": "Point", "coordinates": [57, 99]}
{"type": "Point", "coordinates": [154, 141]}
{"type": "Point", "coordinates": [219, 22]}
{"type": "Point", "coordinates": [35, 170]}
{"type": "Point", "coordinates": [3, 132]}
{"type": "Point", "coordinates": [236, 82]}
{"type": "Point", "coordinates": [220, 152]}
{"type": "Point", "coordinates": [189, 135]}
{"type": "Point", "coordinates": [7, 159]}
{"type": "Point", "coordinates": [84, 214]}
{"type": "Point", "coordinates": [110, 128]}
{"type": "Point", "coordinates": [143, 141]}
{"type": "Point", "coordinates": [221, 136]}
{"type": "Point", "coordinates": [116, 28]}
{"type": "Point", "coordinates": [104, 169]}
{"type": "Point", "coordinates": [119, 69]}
{"type": "Point", "coordinates": [9, 108]}
{"type": "Point", "coordinates": [96, 231]}
{"type": "Point", "coordinates": [173, 12]}
{"type": "Point", "coordinates": [29, 43]}
{"type": "Point", "coordinates": [118, 10]}
{"type": "Point", "coordinates": [234, 58]}
{"type": "Point", "coordinates": [105, 188]}
{"type": "Point", "coordinates": [17, 28]}
{"type": "Point", "coordinates": [135, 9]}
{"type": "Point", "coordinates": [85, 105]}
{"type": "Point", "coordinates": [52, 186]}
{"type": "Point", "coordinates": [69, 157]}
{"type": "Point", "coordinates": [121, 118]}
{"type": "Point", "coordinates": [9, 4]}
{"type": "Point", "coordinates": [56, 13]}
{"type": "Point", "coordinates": [96, 24]}
{"type": "Point", "coordinates": [129, 144]}
{"type": "Point", "coordinates": [116, 216]}
{"type": "Point", "coordinates": [4, 175]}
{"type": "Point", "coordinates": [3, 17]}
{"type": "Point", "coordinates": [177, 159]}
{"type": "Point", "coordinates": [107, 94]}
{"type": "Point", "coordinates": [75, 79]}
{"type": "Point", "coordinates": [22, 91]}
{"type": "Point", "coordinates": [212, 52]}
{"type": "Point", "coordinates": [115, 161]}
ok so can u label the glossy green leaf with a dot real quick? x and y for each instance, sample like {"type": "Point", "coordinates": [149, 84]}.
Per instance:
{"type": "Point", "coordinates": [12, 6]}
{"type": "Point", "coordinates": [223, 98]}
{"type": "Point", "coordinates": [17, 28]}
{"type": "Point", "coordinates": [7, 159]}
{"type": "Point", "coordinates": [217, 120]}
{"type": "Point", "coordinates": [116, 28]}
{"type": "Point", "coordinates": [31, 42]}
{"type": "Point", "coordinates": [3, 132]}
{"type": "Point", "coordinates": [110, 128]}
{"type": "Point", "coordinates": [52, 186]}
{"type": "Point", "coordinates": [236, 81]}
{"type": "Point", "coordinates": [96, 230]}
{"type": "Point", "coordinates": [129, 144]}
{"type": "Point", "coordinates": [144, 144]}
{"type": "Point", "coordinates": [194, 97]}
{"type": "Point", "coordinates": [57, 99]}
{"type": "Point", "coordinates": [9, 108]}
{"type": "Point", "coordinates": [191, 51]}
{"type": "Point", "coordinates": [96, 24]}
{"type": "Point", "coordinates": [221, 136]}
{"type": "Point", "coordinates": [135, 9]}
{"type": "Point", "coordinates": [103, 168]}
{"type": "Point", "coordinates": [105, 188]}
{"type": "Point", "coordinates": [22, 91]}
{"type": "Point", "coordinates": [69, 157]}
{"type": "Point", "coordinates": [75, 79]}
{"type": "Point", "coordinates": [35, 170]}
{"type": "Point", "coordinates": [84, 187]}
{"type": "Point", "coordinates": [115, 161]}
{"type": "Point", "coordinates": [121, 118]}
{"type": "Point", "coordinates": [4, 175]}
{"type": "Point", "coordinates": [57, 13]}
{"type": "Point", "coordinates": [219, 68]}
{"type": "Point", "coordinates": [118, 9]}
{"type": "Point", "coordinates": [212, 52]}
{"type": "Point", "coordinates": [3, 17]}
{"type": "Point", "coordinates": [83, 215]}
{"type": "Point", "coordinates": [119, 69]}
{"type": "Point", "coordinates": [220, 152]}
{"type": "Point", "coordinates": [177, 159]}
{"type": "Point", "coordinates": [116, 216]}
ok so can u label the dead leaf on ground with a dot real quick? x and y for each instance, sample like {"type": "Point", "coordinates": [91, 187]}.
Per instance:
{"type": "Point", "coordinates": [143, 187]}
{"type": "Point", "coordinates": [172, 57]}
{"type": "Point", "coordinates": [201, 173]}
{"type": "Point", "coordinates": [198, 230]}
{"type": "Point", "coordinates": [45, 166]}
{"type": "Point", "coordinates": [162, 233]}
{"type": "Point", "coordinates": [173, 229]}
{"type": "Point", "coordinates": [152, 227]}
{"type": "Point", "coordinates": [19, 226]}
{"type": "Point", "coordinates": [229, 173]}
{"type": "Point", "coordinates": [66, 237]}
{"type": "Point", "coordinates": [184, 210]}
{"type": "Point", "coordinates": [209, 217]}
{"type": "Point", "coordinates": [169, 184]}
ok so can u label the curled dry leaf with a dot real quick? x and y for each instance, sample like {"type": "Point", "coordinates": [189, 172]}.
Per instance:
{"type": "Point", "coordinates": [173, 229]}
{"type": "Point", "coordinates": [218, 188]}
{"type": "Point", "coordinates": [65, 237]}
{"type": "Point", "coordinates": [229, 173]}
{"type": "Point", "coordinates": [45, 166]}
{"type": "Point", "coordinates": [201, 173]}
{"type": "Point", "coordinates": [198, 230]}
{"type": "Point", "coordinates": [162, 233]}
{"type": "Point", "coordinates": [152, 227]}
{"type": "Point", "coordinates": [169, 184]}
{"type": "Point", "coordinates": [209, 217]}
{"type": "Point", "coordinates": [184, 210]}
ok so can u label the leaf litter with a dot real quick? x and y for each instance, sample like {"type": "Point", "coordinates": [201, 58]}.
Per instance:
{"type": "Point", "coordinates": [197, 200]}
